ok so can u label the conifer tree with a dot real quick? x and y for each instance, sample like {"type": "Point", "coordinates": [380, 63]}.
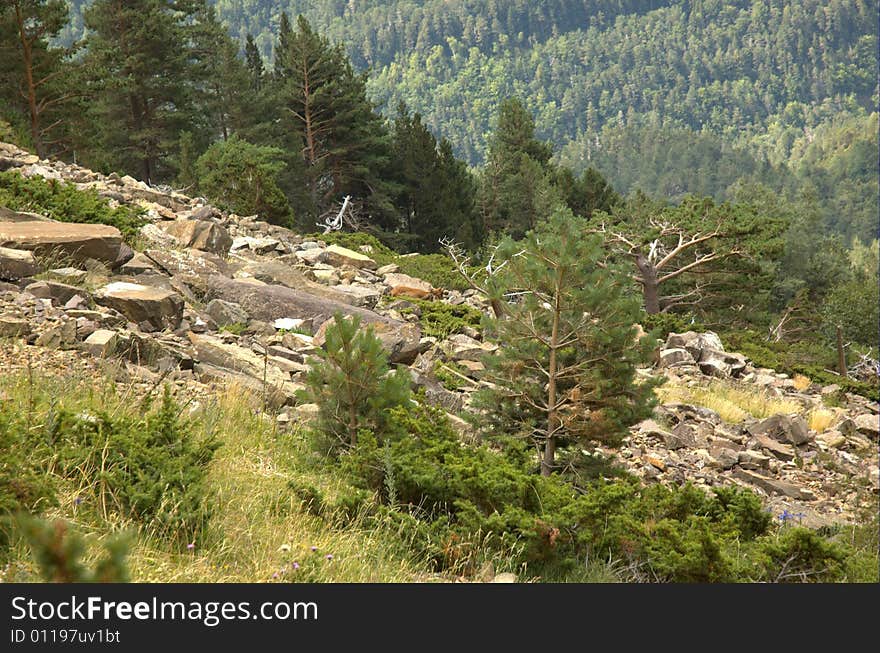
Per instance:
{"type": "Point", "coordinates": [345, 148]}
{"type": "Point", "coordinates": [220, 76]}
{"type": "Point", "coordinates": [242, 177]}
{"type": "Point", "coordinates": [351, 384]}
{"type": "Point", "coordinates": [254, 64]}
{"type": "Point", "coordinates": [515, 186]}
{"type": "Point", "coordinates": [567, 369]}
{"type": "Point", "coordinates": [437, 198]}
{"type": "Point", "coordinates": [32, 72]}
{"type": "Point", "coordinates": [142, 79]}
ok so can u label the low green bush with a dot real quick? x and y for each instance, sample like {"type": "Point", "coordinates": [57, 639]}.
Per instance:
{"type": "Point", "coordinates": [437, 269]}
{"type": "Point", "coordinates": [458, 494]}
{"type": "Point", "coordinates": [64, 202]}
{"type": "Point", "coordinates": [441, 320]}
{"type": "Point", "coordinates": [23, 485]}
{"type": "Point", "coordinates": [152, 469]}
{"type": "Point", "coordinates": [58, 551]}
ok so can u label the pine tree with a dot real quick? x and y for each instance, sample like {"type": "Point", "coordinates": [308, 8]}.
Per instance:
{"type": "Point", "coordinates": [254, 64]}
{"type": "Point", "coordinates": [437, 198]}
{"type": "Point", "coordinates": [33, 71]}
{"type": "Point", "coordinates": [136, 52]}
{"type": "Point", "coordinates": [221, 77]}
{"type": "Point", "coordinates": [344, 145]}
{"type": "Point", "coordinates": [566, 370]}
{"type": "Point", "coordinates": [351, 384]}
{"type": "Point", "coordinates": [242, 177]}
{"type": "Point", "coordinates": [515, 187]}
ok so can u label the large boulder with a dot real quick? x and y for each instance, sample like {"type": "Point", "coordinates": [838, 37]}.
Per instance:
{"type": "Point", "coordinates": [226, 313]}
{"type": "Point", "coordinates": [774, 486]}
{"type": "Point", "coordinates": [268, 303]}
{"type": "Point", "coordinates": [694, 342]}
{"type": "Point", "coordinates": [199, 234]}
{"type": "Point", "coordinates": [868, 425]}
{"type": "Point", "coordinates": [192, 266]}
{"type": "Point", "coordinates": [17, 264]}
{"type": "Point", "coordinates": [461, 347]}
{"type": "Point", "coordinates": [143, 304]}
{"type": "Point", "coordinates": [58, 293]}
{"type": "Point", "coordinates": [708, 352]}
{"type": "Point", "coordinates": [339, 256]}
{"type": "Point", "coordinates": [276, 272]}
{"type": "Point", "coordinates": [675, 356]}
{"type": "Point", "coordinates": [212, 351]}
{"type": "Point", "coordinates": [396, 280]}
{"type": "Point", "coordinates": [783, 428]}
{"type": "Point", "coordinates": [63, 240]}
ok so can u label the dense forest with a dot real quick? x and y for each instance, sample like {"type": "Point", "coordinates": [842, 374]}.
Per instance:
{"type": "Point", "coordinates": [716, 91]}
{"type": "Point", "coordinates": [755, 118]}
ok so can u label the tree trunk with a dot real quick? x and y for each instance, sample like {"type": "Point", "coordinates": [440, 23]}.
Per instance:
{"type": "Point", "coordinates": [650, 284]}
{"type": "Point", "coordinates": [27, 57]}
{"type": "Point", "coordinates": [549, 460]}
{"type": "Point", "coordinates": [841, 354]}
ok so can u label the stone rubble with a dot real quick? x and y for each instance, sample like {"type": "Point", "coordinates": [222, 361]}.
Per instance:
{"type": "Point", "coordinates": [215, 297]}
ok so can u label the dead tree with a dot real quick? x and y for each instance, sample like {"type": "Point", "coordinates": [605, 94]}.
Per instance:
{"type": "Point", "coordinates": [670, 254]}
{"type": "Point", "coordinates": [467, 271]}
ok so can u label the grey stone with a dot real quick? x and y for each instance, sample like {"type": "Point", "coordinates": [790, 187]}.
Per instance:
{"type": "Point", "coordinates": [775, 486]}
{"type": "Point", "coordinates": [675, 356]}
{"type": "Point", "coordinates": [783, 428]}
{"type": "Point", "coordinates": [101, 343]}
{"type": "Point", "coordinates": [868, 425]}
{"type": "Point", "coordinates": [60, 240]}
{"type": "Point", "coordinates": [339, 256]}
{"type": "Point", "coordinates": [17, 264]}
{"type": "Point", "coordinates": [13, 327]}
{"type": "Point", "coordinates": [225, 313]}
{"type": "Point", "coordinates": [59, 293]}
{"type": "Point", "coordinates": [157, 307]}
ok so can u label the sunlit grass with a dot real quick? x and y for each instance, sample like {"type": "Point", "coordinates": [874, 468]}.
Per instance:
{"type": "Point", "coordinates": [732, 403]}
{"type": "Point", "coordinates": [821, 419]}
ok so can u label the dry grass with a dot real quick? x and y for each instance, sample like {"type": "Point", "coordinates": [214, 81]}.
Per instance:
{"type": "Point", "coordinates": [733, 404]}
{"type": "Point", "coordinates": [801, 382]}
{"type": "Point", "coordinates": [821, 419]}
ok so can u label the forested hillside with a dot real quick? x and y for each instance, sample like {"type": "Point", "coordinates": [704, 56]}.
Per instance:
{"type": "Point", "coordinates": [715, 91]}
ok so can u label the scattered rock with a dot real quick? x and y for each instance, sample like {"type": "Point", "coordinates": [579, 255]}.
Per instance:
{"type": "Point", "coordinates": [338, 256]}
{"type": "Point", "coordinates": [12, 327]}
{"type": "Point", "coordinates": [774, 486]}
{"type": "Point", "coordinates": [783, 428]}
{"type": "Point", "coordinates": [868, 425]}
{"type": "Point", "coordinates": [101, 344]}
{"type": "Point", "coordinates": [142, 304]}
{"type": "Point", "coordinates": [675, 356]}
{"type": "Point", "coordinates": [225, 313]}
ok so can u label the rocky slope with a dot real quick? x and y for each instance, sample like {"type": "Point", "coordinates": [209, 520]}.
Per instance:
{"type": "Point", "coordinates": [210, 298]}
